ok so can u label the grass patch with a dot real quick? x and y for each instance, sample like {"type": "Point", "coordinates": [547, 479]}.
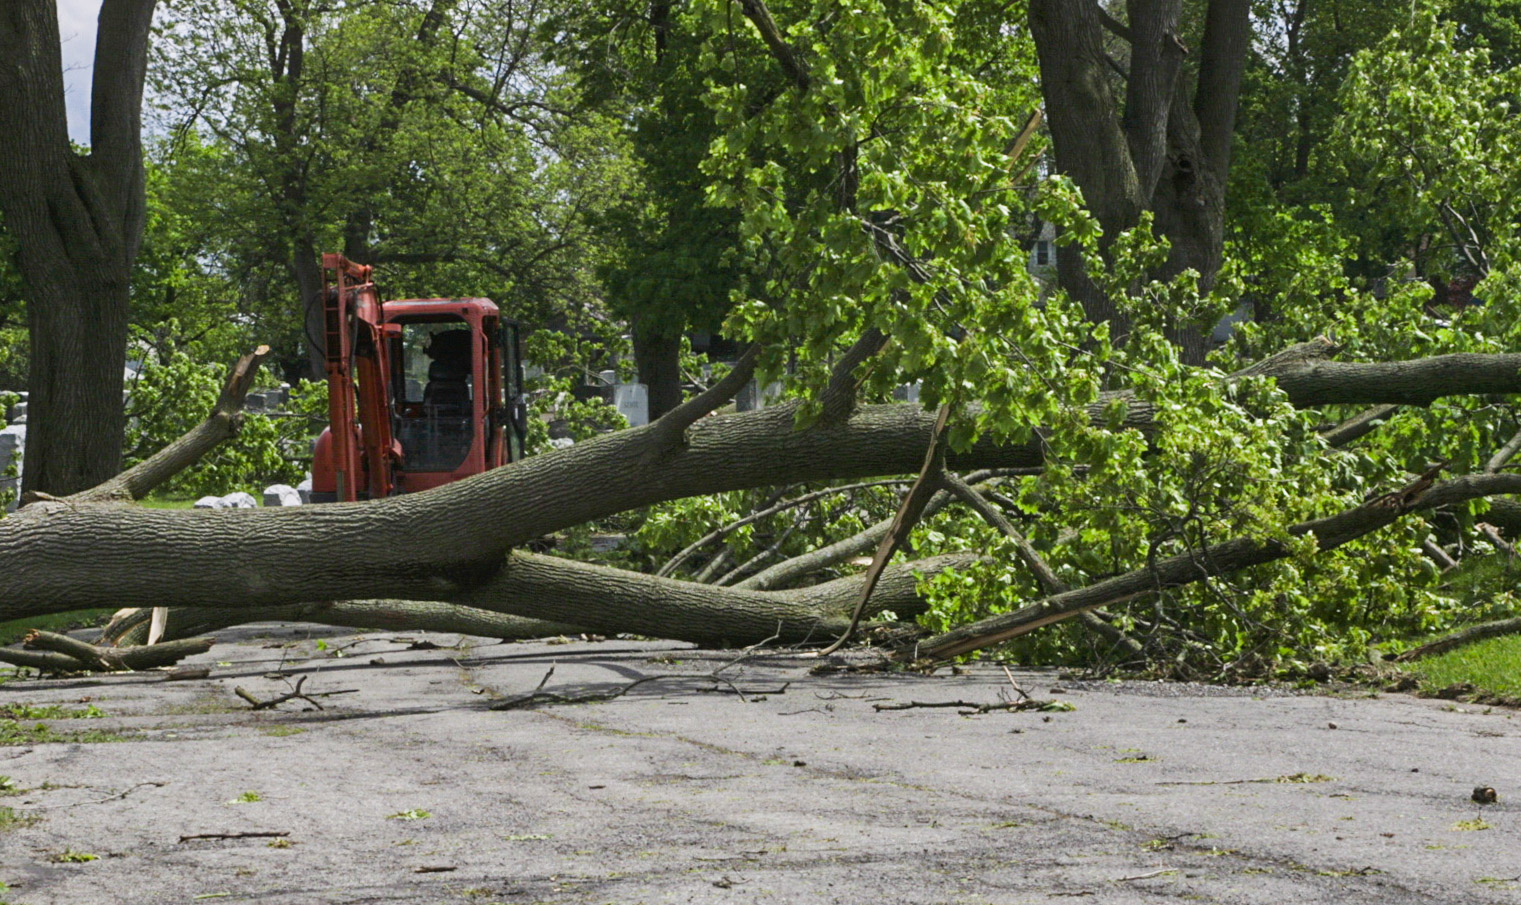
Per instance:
{"type": "Point", "coordinates": [282, 731]}
{"type": "Point", "coordinates": [15, 732]}
{"type": "Point", "coordinates": [413, 814]}
{"type": "Point", "coordinates": [13, 631]}
{"type": "Point", "coordinates": [11, 819]}
{"type": "Point", "coordinates": [155, 501]}
{"type": "Point", "coordinates": [1493, 665]}
{"type": "Point", "coordinates": [48, 712]}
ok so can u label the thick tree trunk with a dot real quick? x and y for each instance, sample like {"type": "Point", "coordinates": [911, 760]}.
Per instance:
{"type": "Point", "coordinates": [658, 355]}
{"type": "Point", "coordinates": [77, 220]}
{"type": "Point", "coordinates": [1166, 149]}
{"type": "Point", "coordinates": [78, 335]}
{"type": "Point", "coordinates": [451, 544]}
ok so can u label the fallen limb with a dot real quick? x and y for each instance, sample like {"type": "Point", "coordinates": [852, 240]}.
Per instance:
{"type": "Point", "coordinates": [255, 834]}
{"type": "Point", "coordinates": [60, 653]}
{"type": "Point", "coordinates": [295, 694]}
{"type": "Point", "coordinates": [1217, 559]}
{"type": "Point", "coordinates": [1462, 637]}
{"type": "Point", "coordinates": [909, 512]}
{"type": "Point", "coordinates": [131, 627]}
{"type": "Point", "coordinates": [223, 422]}
{"type": "Point", "coordinates": [967, 708]}
{"type": "Point", "coordinates": [539, 696]}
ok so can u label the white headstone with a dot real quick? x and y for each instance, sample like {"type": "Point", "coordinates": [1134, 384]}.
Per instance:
{"type": "Point", "coordinates": [207, 502]}
{"type": "Point", "coordinates": [239, 500]}
{"type": "Point", "coordinates": [281, 495]}
{"type": "Point", "coordinates": [304, 489]}
{"type": "Point", "coordinates": [12, 448]}
{"type": "Point", "coordinates": [633, 403]}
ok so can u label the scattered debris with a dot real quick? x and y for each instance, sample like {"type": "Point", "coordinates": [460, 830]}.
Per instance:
{"type": "Point", "coordinates": [294, 695]}
{"type": "Point", "coordinates": [971, 708]}
{"type": "Point", "coordinates": [273, 834]}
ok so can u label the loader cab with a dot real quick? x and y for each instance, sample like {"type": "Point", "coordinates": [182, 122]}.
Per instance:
{"type": "Point", "coordinates": [452, 397]}
{"type": "Point", "coordinates": [456, 390]}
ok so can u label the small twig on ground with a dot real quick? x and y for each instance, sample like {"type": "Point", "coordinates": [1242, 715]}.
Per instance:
{"type": "Point", "coordinates": [295, 695]}
{"type": "Point", "coordinates": [972, 707]}
{"type": "Point", "coordinates": [781, 689]}
{"type": "Point", "coordinates": [76, 804]}
{"type": "Point", "coordinates": [280, 834]}
{"type": "Point", "coordinates": [540, 696]}
{"type": "Point", "coordinates": [1024, 695]}
{"type": "Point", "coordinates": [1148, 875]}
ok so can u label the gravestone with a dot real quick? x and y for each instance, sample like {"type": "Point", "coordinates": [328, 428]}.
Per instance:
{"type": "Point", "coordinates": [12, 447]}
{"type": "Point", "coordinates": [281, 495]}
{"type": "Point", "coordinates": [633, 402]}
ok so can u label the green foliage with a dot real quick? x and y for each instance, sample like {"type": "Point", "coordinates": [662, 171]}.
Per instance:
{"type": "Point", "coordinates": [412, 814]}
{"type": "Point", "coordinates": [173, 392]}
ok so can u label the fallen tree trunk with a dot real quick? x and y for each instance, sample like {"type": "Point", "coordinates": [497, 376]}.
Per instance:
{"type": "Point", "coordinates": [564, 596]}
{"type": "Point", "coordinates": [451, 544]}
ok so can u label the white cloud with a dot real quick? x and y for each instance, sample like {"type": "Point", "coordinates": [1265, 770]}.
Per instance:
{"type": "Point", "coordinates": [76, 27]}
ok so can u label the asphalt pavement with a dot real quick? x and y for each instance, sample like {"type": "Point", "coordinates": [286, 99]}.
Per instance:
{"type": "Point", "coordinates": [776, 781]}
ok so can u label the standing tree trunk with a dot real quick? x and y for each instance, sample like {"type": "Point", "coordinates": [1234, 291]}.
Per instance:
{"type": "Point", "coordinates": [77, 218]}
{"type": "Point", "coordinates": [659, 359]}
{"type": "Point", "coordinates": [1164, 149]}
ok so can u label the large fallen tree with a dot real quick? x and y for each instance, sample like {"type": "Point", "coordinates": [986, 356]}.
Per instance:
{"type": "Point", "coordinates": [446, 558]}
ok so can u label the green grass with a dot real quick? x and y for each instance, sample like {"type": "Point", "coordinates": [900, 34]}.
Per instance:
{"type": "Point", "coordinates": [12, 632]}
{"type": "Point", "coordinates": [11, 819]}
{"type": "Point", "coordinates": [15, 732]}
{"type": "Point", "coordinates": [1493, 665]}
{"type": "Point", "coordinates": [154, 501]}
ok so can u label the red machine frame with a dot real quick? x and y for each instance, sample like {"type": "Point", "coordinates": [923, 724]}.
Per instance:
{"type": "Point", "coordinates": [359, 456]}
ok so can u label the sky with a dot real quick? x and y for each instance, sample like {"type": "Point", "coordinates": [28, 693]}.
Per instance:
{"type": "Point", "coordinates": [76, 26]}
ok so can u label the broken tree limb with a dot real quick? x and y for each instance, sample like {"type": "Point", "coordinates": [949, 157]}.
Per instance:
{"type": "Point", "coordinates": [930, 476]}
{"type": "Point", "coordinates": [788, 572]}
{"type": "Point", "coordinates": [616, 601]}
{"type": "Point", "coordinates": [1462, 637]}
{"type": "Point", "coordinates": [607, 601]}
{"type": "Point", "coordinates": [60, 653]}
{"type": "Point", "coordinates": [224, 421]}
{"type": "Point", "coordinates": [1217, 559]}
{"type": "Point", "coordinates": [1504, 454]}
{"type": "Point", "coordinates": [676, 561]}
{"type": "Point", "coordinates": [374, 615]}
{"type": "Point", "coordinates": [1050, 583]}
{"type": "Point", "coordinates": [1359, 425]}
{"type": "Point", "coordinates": [670, 429]}
{"type": "Point", "coordinates": [838, 400]}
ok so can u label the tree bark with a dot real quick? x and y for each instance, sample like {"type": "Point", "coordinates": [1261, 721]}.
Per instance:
{"type": "Point", "coordinates": [1159, 151]}
{"type": "Point", "coordinates": [446, 543]}
{"type": "Point", "coordinates": [658, 356]}
{"type": "Point", "coordinates": [77, 219]}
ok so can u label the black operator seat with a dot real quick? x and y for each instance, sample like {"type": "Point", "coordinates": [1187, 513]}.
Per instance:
{"type": "Point", "coordinates": [449, 371]}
